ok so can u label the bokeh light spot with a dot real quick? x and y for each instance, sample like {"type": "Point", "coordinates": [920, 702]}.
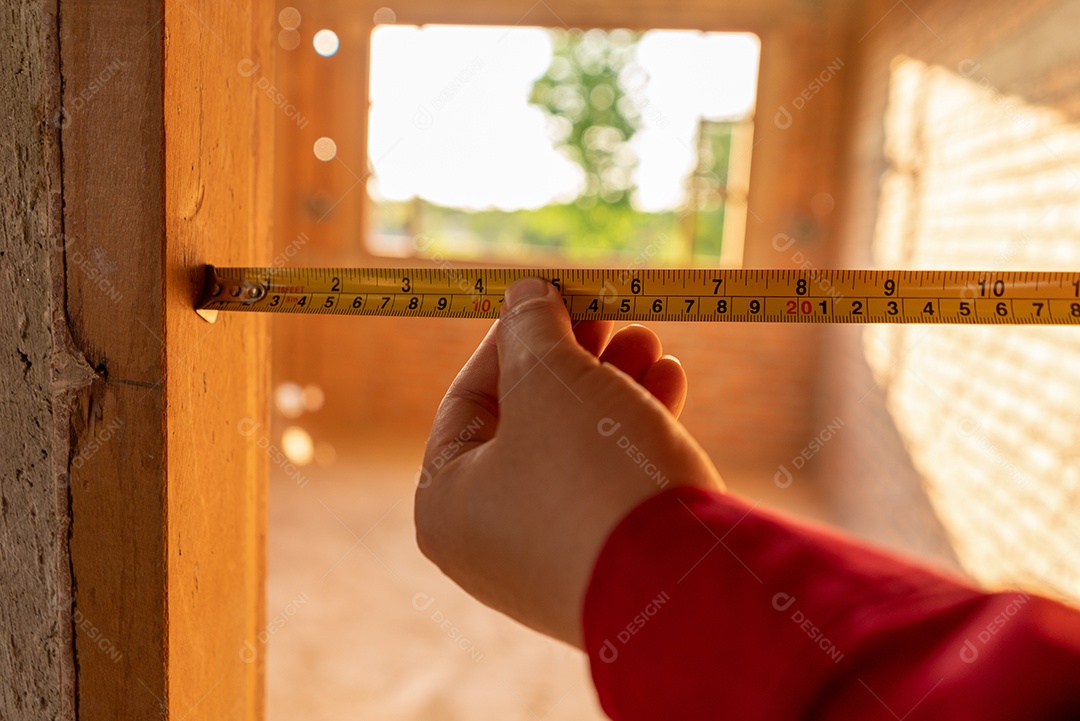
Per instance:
{"type": "Point", "coordinates": [297, 445]}
{"type": "Point", "coordinates": [325, 149]}
{"type": "Point", "coordinates": [289, 18]}
{"type": "Point", "coordinates": [289, 39]}
{"type": "Point", "coordinates": [385, 16]}
{"type": "Point", "coordinates": [326, 43]}
{"type": "Point", "coordinates": [289, 400]}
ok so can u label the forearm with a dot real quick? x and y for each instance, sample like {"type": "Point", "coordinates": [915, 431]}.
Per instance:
{"type": "Point", "coordinates": [701, 607]}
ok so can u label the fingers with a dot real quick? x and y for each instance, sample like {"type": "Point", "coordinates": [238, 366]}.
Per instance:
{"type": "Point", "coordinates": [469, 410]}
{"type": "Point", "coordinates": [593, 335]}
{"type": "Point", "coordinates": [666, 380]}
{"type": "Point", "coordinates": [636, 351]}
{"type": "Point", "coordinates": [633, 350]}
{"type": "Point", "coordinates": [534, 331]}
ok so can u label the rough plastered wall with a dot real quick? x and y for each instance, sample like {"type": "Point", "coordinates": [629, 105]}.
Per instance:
{"type": "Point", "coordinates": [965, 153]}
{"type": "Point", "coordinates": [38, 373]}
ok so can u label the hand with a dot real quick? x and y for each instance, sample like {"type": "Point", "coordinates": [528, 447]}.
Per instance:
{"type": "Point", "coordinates": [548, 437]}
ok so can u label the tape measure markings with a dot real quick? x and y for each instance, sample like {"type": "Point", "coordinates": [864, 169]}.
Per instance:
{"type": "Point", "coordinates": [750, 295]}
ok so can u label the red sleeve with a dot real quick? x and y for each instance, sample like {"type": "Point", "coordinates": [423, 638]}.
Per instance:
{"type": "Point", "coordinates": [701, 607]}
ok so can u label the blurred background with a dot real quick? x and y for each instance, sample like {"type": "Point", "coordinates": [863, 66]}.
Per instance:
{"type": "Point", "coordinates": [918, 134]}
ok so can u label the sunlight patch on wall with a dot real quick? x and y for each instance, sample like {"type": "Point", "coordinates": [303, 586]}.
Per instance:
{"type": "Point", "coordinates": [981, 179]}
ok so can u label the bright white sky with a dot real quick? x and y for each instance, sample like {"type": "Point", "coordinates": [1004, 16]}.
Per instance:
{"type": "Point", "coordinates": [450, 120]}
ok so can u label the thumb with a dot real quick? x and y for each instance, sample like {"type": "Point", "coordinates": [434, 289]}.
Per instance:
{"type": "Point", "coordinates": [536, 339]}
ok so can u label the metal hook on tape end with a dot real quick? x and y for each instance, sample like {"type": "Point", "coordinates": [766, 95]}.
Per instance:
{"type": "Point", "coordinates": [210, 316]}
{"type": "Point", "coordinates": [227, 292]}
{"type": "Point", "coordinates": [210, 291]}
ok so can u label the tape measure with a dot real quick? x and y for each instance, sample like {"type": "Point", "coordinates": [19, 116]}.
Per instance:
{"type": "Point", "coordinates": [754, 296]}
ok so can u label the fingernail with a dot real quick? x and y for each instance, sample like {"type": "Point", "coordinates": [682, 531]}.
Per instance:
{"type": "Point", "coordinates": [524, 289]}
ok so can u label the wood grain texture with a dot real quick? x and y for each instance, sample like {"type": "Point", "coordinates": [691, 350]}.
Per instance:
{"type": "Point", "coordinates": [39, 373]}
{"type": "Point", "coordinates": [218, 159]}
{"type": "Point", "coordinates": [164, 144]}
{"type": "Point", "coordinates": [113, 220]}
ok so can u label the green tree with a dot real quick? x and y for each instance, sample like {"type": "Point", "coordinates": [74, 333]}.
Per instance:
{"type": "Point", "coordinates": [592, 116]}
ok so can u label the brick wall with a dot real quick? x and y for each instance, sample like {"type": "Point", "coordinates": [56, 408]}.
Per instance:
{"type": "Point", "coordinates": [964, 153]}
{"type": "Point", "coordinates": [750, 400]}
{"type": "Point", "coordinates": [752, 387]}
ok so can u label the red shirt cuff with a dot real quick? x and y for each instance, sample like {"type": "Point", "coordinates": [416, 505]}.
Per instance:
{"type": "Point", "coordinates": [702, 606]}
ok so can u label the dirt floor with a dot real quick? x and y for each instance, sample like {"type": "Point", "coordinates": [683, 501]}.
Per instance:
{"type": "Point", "coordinates": [361, 625]}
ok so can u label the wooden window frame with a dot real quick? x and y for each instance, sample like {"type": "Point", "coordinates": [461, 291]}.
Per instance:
{"type": "Point", "coordinates": [326, 202]}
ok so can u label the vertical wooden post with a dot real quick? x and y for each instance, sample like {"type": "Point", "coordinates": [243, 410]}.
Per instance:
{"type": "Point", "coordinates": [113, 228]}
{"type": "Point", "coordinates": [167, 150]}
{"type": "Point", "coordinates": [218, 173]}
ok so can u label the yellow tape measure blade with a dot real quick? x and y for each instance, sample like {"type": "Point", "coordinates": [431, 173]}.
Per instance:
{"type": "Point", "coordinates": [695, 294]}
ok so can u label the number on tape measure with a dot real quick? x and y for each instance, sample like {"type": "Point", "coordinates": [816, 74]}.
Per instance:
{"type": "Point", "coordinates": [770, 296]}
